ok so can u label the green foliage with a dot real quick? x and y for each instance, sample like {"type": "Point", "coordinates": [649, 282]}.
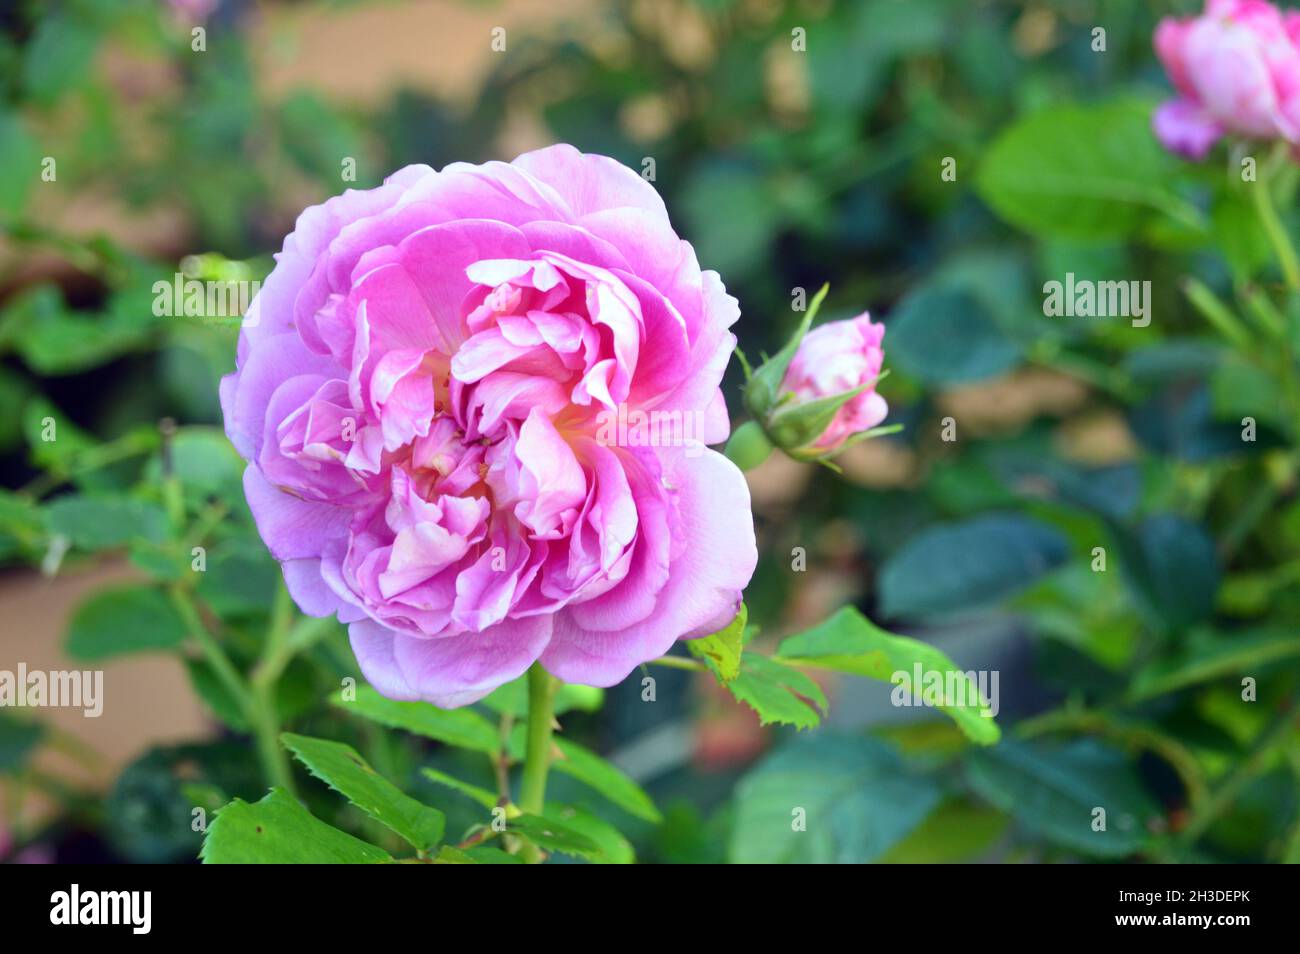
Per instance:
{"type": "Point", "coordinates": [777, 692]}
{"type": "Point", "coordinates": [970, 565]}
{"type": "Point", "coordinates": [1057, 792]}
{"type": "Point", "coordinates": [849, 642]}
{"type": "Point", "coordinates": [128, 619]}
{"type": "Point", "coordinates": [17, 740]}
{"type": "Point", "coordinates": [722, 650]}
{"type": "Point", "coordinates": [459, 727]}
{"type": "Point", "coordinates": [1082, 172]}
{"type": "Point", "coordinates": [342, 769]}
{"type": "Point", "coordinates": [828, 799]}
{"type": "Point", "coordinates": [945, 335]}
{"type": "Point", "coordinates": [278, 830]}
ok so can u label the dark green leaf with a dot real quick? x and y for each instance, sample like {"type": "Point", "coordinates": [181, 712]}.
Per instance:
{"type": "Point", "coordinates": [968, 566]}
{"type": "Point", "coordinates": [1056, 792]}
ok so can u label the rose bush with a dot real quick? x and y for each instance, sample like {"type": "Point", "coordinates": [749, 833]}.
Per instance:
{"type": "Point", "coordinates": [419, 399]}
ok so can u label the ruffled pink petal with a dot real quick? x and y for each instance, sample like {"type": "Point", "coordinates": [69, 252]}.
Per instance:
{"type": "Point", "coordinates": [716, 560]}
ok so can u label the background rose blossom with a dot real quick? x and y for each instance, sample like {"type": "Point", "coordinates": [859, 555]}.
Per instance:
{"type": "Point", "coordinates": [1237, 70]}
{"type": "Point", "coordinates": [418, 403]}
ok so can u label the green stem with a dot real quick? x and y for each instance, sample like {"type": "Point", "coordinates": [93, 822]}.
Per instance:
{"type": "Point", "coordinates": [262, 715]}
{"type": "Point", "coordinates": [221, 665]}
{"type": "Point", "coordinates": [1268, 217]}
{"type": "Point", "coordinates": [537, 755]}
{"type": "Point", "coordinates": [265, 723]}
{"type": "Point", "coordinates": [1276, 736]}
{"type": "Point", "coordinates": [256, 700]}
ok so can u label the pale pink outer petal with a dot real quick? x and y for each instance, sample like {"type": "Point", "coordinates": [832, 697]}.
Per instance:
{"type": "Point", "coordinates": [703, 591]}
{"type": "Point", "coordinates": [450, 671]}
{"type": "Point", "coordinates": [290, 527]}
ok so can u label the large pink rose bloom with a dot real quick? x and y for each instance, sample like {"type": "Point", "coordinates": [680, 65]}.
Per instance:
{"type": "Point", "coordinates": [420, 400]}
{"type": "Point", "coordinates": [833, 359]}
{"type": "Point", "coordinates": [1237, 70]}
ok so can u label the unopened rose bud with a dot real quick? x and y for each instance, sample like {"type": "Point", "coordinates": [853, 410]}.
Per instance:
{"type": "Point", "coordinates": [831, 382]}
{"type": "Point", "coordinates": [816, 394]}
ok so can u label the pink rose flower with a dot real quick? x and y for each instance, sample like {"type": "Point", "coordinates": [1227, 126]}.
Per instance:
{"type": "Point", "coordinates": [189, 12]}
{"type": "Point", "coordinates": [1237, 70]}
{"type": "Point", "coordinates": [833, 359]}
{"type": "Point", "coordinates": [419, 401]}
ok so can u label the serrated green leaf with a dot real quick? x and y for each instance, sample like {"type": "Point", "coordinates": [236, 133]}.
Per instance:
{"type": "Point", "coordinates": [124, 620]}
{"type": "Point", "coordinates": [343, 769]}
{"type": "Point", "coordinates": [777, 692]}
{"type": "Point", "coordinates": [278, 830]}
{"type": "Point", "coordinates": [722, 650]}
{"type": "Point", "coordinates": [849, 642]}
{"type": "Point", "coordinates": [463, 728]}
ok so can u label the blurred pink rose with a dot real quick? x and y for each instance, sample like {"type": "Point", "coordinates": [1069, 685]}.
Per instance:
{"type": "Point", "coordinates": [1237, 70]}
{"type": "Point", "coordinates": [833, 359]}
{"type": "Point", "coordinates": [421, 402]}
{"type": "Point", "coordinates": [191, 12]}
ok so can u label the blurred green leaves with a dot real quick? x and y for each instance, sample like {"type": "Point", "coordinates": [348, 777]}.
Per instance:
{"type": "Point", "coordinates": [1089, 172]}
{"type": "Point", "coordinates": [968, 566]}
{"type": "Point", "coordinates": [1057, 792]}
{"type": "Point", "coordinates": [828, 799]}
{"type": "Point", "coordinates": [124, 620]}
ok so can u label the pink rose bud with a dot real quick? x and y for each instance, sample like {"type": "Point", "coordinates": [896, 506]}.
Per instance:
{"type": "Point", "coordinates": [1237, 70]}
{"type": "Point", "coordinates": [834, 361]}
